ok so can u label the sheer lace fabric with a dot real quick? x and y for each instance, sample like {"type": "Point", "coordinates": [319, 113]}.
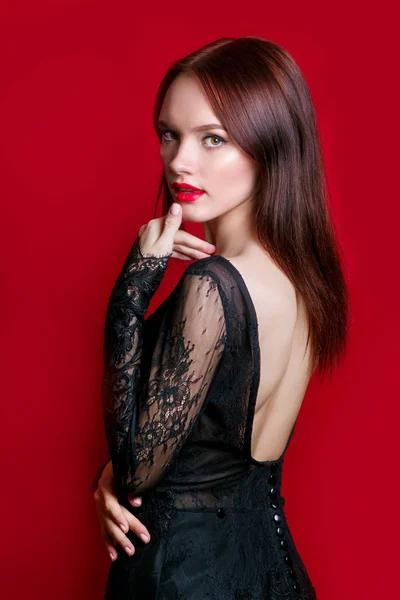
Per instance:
{"type": "Point", "coordinates": [179, 391]}
{"type": "Point", "coordinates": [150, 406]}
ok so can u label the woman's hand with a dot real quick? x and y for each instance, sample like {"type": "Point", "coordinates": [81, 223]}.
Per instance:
{"type": "Point", "coordinates": [163, 235]}
{"type": "Point", "coordinates": [115, 518]}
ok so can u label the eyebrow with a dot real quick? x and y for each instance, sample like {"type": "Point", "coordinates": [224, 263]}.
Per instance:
{"type": "Point", "coordinates": [200, 128]}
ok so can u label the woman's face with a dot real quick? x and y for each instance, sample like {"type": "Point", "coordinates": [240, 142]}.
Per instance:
{"type": "Point", "coordinates": [206, 159]}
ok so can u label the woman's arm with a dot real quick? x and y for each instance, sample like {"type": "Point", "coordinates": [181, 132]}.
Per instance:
{"type": "Point", "coordinates": [150, 408]}
{"type": "Point", "coordinates": [123, 345]}
{"type": "Point", "coordinates": [114, 517]}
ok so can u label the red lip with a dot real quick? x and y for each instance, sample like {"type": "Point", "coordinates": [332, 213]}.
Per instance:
{"type": "Point", "coordinates": [183, 185]}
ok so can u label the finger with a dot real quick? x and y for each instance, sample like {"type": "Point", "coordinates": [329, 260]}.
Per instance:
{"type": "Point", "coordinates": [181, 256]}
{"type": "Point", "coordinates": [109, 508]}
{"type": "Point", "coordinates": [190, 253]}
{"type": "Point", "coordinates": [113, 532]}
{"type": "Point", "coordinates": [137, 526]}
{"type": "Point", "coordinates": [135, 501]}
{"type": "Point", "coordinates": [171, 224]}
{"type": "Point", "coordinates": [122, 519]}
{"type": "Point", "coordinates": [109, 543]}
{"type": "Point", "coordinates": [187, 239]}
{"type": "Point", "coordinates": [106, 502]}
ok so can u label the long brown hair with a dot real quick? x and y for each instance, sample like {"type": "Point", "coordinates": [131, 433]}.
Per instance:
{"type": "Point", "coordinates": [258, 92]}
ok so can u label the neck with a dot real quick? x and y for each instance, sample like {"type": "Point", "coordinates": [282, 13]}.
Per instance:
{"type": "Point", "coordinates": [233, 233]}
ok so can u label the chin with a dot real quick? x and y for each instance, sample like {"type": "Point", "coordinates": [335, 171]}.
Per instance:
{"type": "Point", "coordinates": [189, 214]}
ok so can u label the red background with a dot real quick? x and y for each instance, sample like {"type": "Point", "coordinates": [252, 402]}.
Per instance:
{"type": "Point", "coordinates": [79, 168]}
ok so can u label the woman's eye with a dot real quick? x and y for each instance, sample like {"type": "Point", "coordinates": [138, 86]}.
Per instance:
{"type": "Point", "coordinates": [220, 140]}
{"type": "Point", "coordinates": [215, 137]}
{"type": "Point", "coordinates": [162, 133]}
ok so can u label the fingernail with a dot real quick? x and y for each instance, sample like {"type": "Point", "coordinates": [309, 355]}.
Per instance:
{"type": "Point", "coordinates": [112, 556]}
{"type": "Point", "coordinates": [144, 537]}
{"type": "Point", "coordinates": [124, 529]}
{"type": "Point", "coordinates": [174, 208]}
{"type": "Point", "coordinates": [137, 501]}
{"type": "Point", "coordinates": [129, 551]}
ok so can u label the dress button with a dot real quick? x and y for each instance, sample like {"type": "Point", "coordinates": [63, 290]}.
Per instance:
{"type": "Point", "coordinates": [280, 532]}
{"type": "Point", "coordinates": [288, 560]}
{"type": "Point", "coordinates": [274, 504]}
{"type": "Point", "coordinates": [297, 588]}
{"type": "Point", "coordinates": [283, 544]}
{"type": "Point", "coordinates": [292, 573]}
{"type": "Point", "coordinates": [282, 501]}
{"type": "Point", "coordinates": [220, 513]}
{"type": "Point", "coordinates": [273, 493]}
{"type": "Point", "coordinates": [274, 466]}
{"type": "Point", "coordinates": [272, 479]}
{"type": "Point", "coordinates": [277, 518]}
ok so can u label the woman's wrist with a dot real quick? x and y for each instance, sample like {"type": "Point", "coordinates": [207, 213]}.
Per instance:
{"type": "Point", "coordinates": [107, 472]}
{"type": "Point", "coordinates": [104, 467]}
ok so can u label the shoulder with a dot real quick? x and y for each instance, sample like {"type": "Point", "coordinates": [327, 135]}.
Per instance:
{"type": "Point", "coordinates": [211, 265]}
{"type": "Point", "coordinates": [202, 294]}
{"type": "Point", "coordinates": [199, 289]}
{"type": "Point", "coordinates": [209, 273]}
{"type": "Point", "coordinates": [272, 295]}
{"type": "Point", "coordinates": [264, 286]}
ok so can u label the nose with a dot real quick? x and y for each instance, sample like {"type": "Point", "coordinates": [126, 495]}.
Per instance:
{"type": "Point", "coordinates": [182, 158]}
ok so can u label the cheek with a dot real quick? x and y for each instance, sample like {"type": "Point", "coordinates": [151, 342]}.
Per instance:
{"type": "Point", "coordinates": [232, 171]}
{"type": "Point", "coordinates": [163, 156]}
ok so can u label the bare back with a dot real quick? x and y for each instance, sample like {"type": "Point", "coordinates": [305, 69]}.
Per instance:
{"type": "Point", "coordinates": [284, 366]}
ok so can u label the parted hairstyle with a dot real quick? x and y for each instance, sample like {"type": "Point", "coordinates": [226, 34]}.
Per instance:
{"type": "Point", "coordinates": [259, 94]}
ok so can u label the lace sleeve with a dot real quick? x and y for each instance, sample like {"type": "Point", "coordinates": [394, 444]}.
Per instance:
{"type": "Point", "coordinates": [136, 284]}
{"type": "Point", "coordinates": [151, 401]}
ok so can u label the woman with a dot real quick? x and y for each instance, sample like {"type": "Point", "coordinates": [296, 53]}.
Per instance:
{"type": "Point", "coordinates": [201, 398]}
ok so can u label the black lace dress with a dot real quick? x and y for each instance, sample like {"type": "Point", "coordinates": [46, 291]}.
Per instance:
{"type": "Point", "coordinates": [179, 392]}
